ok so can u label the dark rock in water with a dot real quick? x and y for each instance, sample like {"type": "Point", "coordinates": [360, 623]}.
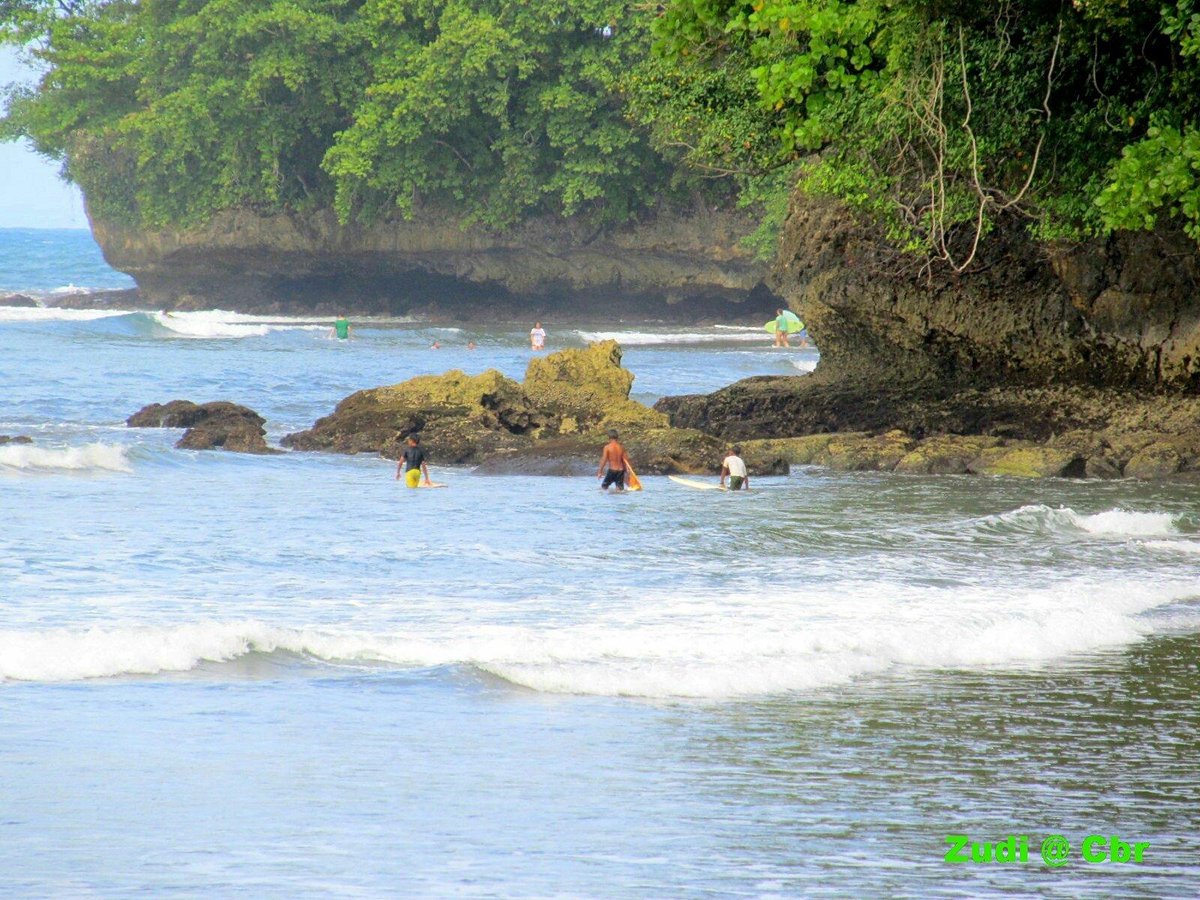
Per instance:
{"type": "Point", "coordinates": [461, 419]}
{"type": "Point", "coordinates": [555, 422]}
{"type": "Point", "coordinates": [15, 439]}
{"type": "Point", "coordinates": [1101, 466]}
{"type": "Point", "coordinates": [220, 424]}
{"type": "Point", "coordinates": [17, 300]}
{"type": "Point", "coordinates": [126, 298]}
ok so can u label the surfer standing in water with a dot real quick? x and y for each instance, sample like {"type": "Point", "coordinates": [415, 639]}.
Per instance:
{"type": "Point", "coordinates": [614, 463]}
{"type": "Point", "coordinates": [733, 467]}
{"type": "Point", "coordinates": [412, 463]}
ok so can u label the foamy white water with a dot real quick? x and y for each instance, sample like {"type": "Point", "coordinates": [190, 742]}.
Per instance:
{"type": "Point", "coordinates": [54, 314]}
{"type": "Point", "coordinates": [94, 457]}
{"type": "Point", "coordinates": [636, 338]}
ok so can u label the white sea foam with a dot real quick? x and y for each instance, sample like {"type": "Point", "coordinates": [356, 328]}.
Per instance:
{"type": "Point", "coordinates": [221, 324]}
{"type": "Point", "coordinates": [635, 338]}
{"type": "Point", "coordinates": [1111, 523]}
{"type": "Point", "coordinates": [804, 364]}
{"type": "Point", "coordinates": [87, 458]}
{"type": "Point", "coordinates": [665, 646]}
{"type": "Point", "coordinates": [52, 314]}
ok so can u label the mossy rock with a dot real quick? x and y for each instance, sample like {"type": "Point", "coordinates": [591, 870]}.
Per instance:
{"type": "Point", "coordinates": [460, 417]}
{"type": "Point", "coordinates": [798, 451]}
{"type": "Point", "coordinates": [589, 387]}
{"type": "Point", "coordinates": [1029, 461]}
{"type": "Point", "coordinates": [1158, 460]}
{"type": "Point", "coordinates": [881, 453]}
{"type": "Point", "coordinates": [944, 454]}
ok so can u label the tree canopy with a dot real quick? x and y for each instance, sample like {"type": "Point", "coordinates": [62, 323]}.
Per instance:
{"type": "Point", "coordinates": [168, 110]}
{"type": "Point", "coordinates": [936, 118]}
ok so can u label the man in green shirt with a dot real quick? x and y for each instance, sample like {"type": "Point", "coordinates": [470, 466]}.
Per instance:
{"type": "Point", "coordinates": [341, 328]}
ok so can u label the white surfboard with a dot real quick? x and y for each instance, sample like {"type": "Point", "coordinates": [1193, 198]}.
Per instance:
{"type": "Point", "coordinates": [696, 485]}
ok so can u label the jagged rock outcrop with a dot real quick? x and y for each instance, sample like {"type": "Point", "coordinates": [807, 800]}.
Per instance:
{"type": "Point", "coordinates": [553, 423]}
{"type": "Point", "coordinates": [1069, 361]}
{"type": "Point", "coordinates": [684, 263]}
{"type": "Point", "coordinates": [1122, 312]}
{"type": "Point", "coordinates": [210, 426]}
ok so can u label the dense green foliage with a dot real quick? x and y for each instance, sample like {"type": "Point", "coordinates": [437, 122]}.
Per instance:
{"type": "Point", "coordinates": [167, 110]}
{"type": "Point", "coordinates": [939, 118]}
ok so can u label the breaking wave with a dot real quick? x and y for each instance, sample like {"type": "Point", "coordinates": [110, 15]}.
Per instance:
{"type": "Point", "coordinates": [634, 338]}
{"type": "Point", "coordinates": [672, 646]}
{"type": "Point", "coordinates": [1111, 523]}
{"type": "Point", "coordinates": [87, 458]}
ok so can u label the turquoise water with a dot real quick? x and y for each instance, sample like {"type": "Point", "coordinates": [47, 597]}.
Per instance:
{"type": "Point", "coordinates": [282, 676]}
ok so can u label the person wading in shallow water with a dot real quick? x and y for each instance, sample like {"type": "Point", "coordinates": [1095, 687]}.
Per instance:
{"type": "Point", "coordinates": [537, 337]}
{"type": "Point", "coordinates": [614, 463]}
{"type": "Point", "coordinates": [781, 329]}
{"type": "Point", "coordinates": [733, 467]}
{"type": "Point", "coordinates": [412, 462]}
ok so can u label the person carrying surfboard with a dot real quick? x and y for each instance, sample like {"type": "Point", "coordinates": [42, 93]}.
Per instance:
{"type": "Point", "coordinates": [733, 467]}
{"type": "Point", "coordinates": [614, 463]}
{"type": "Point", "coordinates": [412, 463]}
{"type": "Point", "coordinates": [781, 329]}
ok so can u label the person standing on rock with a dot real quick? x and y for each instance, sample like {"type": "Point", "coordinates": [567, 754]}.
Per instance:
{"type": "Point", "coordinates": [733, 467]}
{"type": "Point", "coordinates": [614, 463]}
{"type": "Point", "coordinates": [341, 328]}
{"type": "Point", "coordinates": [537, 337]}
{"type": "Point", "coordinates": [412, 463]}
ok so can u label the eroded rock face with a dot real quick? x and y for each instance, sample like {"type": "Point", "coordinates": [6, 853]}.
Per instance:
{"type": "Point", "coordinates": [1118, 313]}
{"type": "Point", "coordinates": [680, 263]}
{"type": "Point", "coordinates": [553, 423]}
{"type": "Point", "coordinates": [210, 426]}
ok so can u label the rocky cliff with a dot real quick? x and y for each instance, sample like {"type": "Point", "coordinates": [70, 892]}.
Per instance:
{"type": "Point", "coordinates": [1121, 313]}
{"type": "Point", "coordinates": [1074, 360]}
{"type": "Point", "coordinates": [675, 265]}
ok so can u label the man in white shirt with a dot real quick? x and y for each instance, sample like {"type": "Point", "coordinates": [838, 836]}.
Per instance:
{"type": "Point", "coordinates": [733, 467]}
{"type": "Point", "coordinates": [537, 337]}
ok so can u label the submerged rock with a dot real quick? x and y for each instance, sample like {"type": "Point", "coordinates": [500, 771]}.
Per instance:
{"type": "Point", "coordinates": [217, 425]}
{"type": "Point", "coordinates": [15, 439]}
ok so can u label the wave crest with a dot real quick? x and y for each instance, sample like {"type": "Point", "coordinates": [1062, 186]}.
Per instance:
{"type": "Point", "coordinates": [89, 457]}
{"type": "Point", "coordinates": [1110, 523]}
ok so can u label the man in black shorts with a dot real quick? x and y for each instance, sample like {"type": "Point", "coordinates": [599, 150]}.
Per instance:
{"type": "Point", "coordinates": [613, 464]}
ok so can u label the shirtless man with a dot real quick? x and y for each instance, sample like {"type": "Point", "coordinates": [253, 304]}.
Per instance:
{"type": "Point", "coordinates": [614, 463]}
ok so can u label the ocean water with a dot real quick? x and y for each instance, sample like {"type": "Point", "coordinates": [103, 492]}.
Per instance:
{"type": "Point", "coordinates": [277, 676]}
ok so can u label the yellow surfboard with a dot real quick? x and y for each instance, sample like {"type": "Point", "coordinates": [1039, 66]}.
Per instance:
{"type": "Point", "coordinates": [635, 483]}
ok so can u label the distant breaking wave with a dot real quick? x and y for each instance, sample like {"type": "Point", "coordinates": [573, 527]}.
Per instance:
{"type": "Point", "coordinates": [633, 338]}
{"type": "Point", "coordinates": [221, 324]}
{"type": "Point", "coordinates": [52, 314]}
{"type": "Point", "coordinates": [677, 646]}
{"type": "Point", "coordinates": [15, 458]}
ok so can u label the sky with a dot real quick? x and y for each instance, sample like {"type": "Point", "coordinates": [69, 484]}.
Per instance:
{"type": "Point", "coordinates": [31, 193]}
